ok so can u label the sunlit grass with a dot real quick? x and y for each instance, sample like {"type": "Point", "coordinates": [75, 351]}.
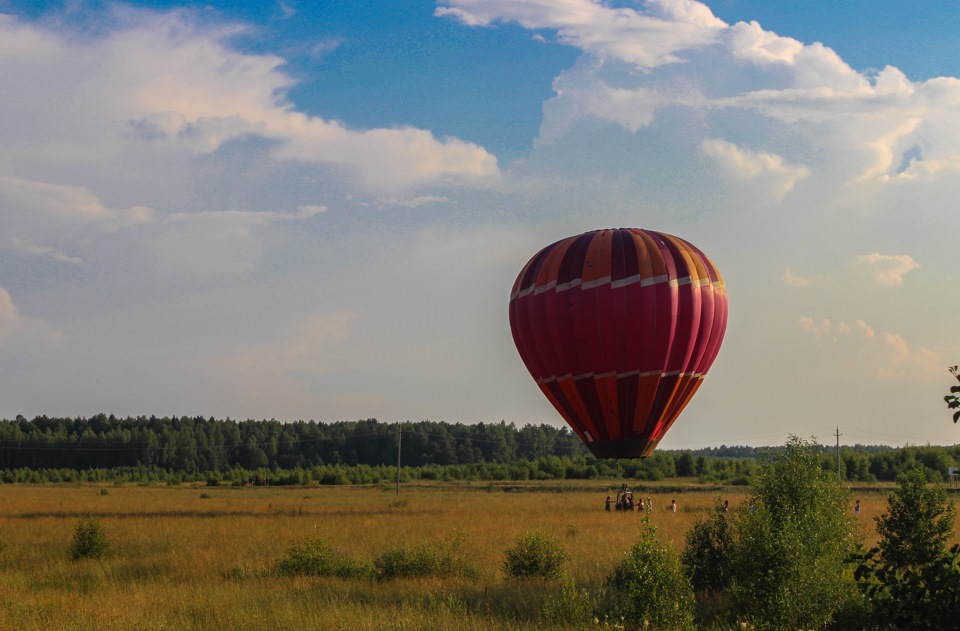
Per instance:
{"type": "Point", "coordinates": [200, 557]}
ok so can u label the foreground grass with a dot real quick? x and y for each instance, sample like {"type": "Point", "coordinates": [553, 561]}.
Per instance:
{"type": "Point", "coordinates": [199, 558]}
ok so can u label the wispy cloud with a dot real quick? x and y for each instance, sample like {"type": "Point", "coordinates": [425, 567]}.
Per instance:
{"type": "Point", "coordinates": [44, 251]}
{"type": "Point", "coordinates": [800, 281]}
{"type": "Point", "coordinates": [888, 270]}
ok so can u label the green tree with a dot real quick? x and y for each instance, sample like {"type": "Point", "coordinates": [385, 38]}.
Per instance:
{"type": "Point", "coordinates": [918, 522]}
{"type": "Point", "coordinates": [788, 562]}
{"type": "Point", "coordinates": [911, 580]}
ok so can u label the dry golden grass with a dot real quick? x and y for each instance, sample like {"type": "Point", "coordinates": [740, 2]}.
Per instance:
{"type": "Point", "coordinates": [172, 552]}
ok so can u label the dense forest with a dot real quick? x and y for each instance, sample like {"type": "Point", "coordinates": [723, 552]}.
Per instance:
{"type": "Point", "coordinates": [182, 448]}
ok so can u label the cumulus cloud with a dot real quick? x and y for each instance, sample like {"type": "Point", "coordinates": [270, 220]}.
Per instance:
{"type": "Point", "coordinates": [744, 164]}
{"type": "Point", "coordinates": [888, 270]}
{"type": "Point", "coordinates": [867, 122]}
{"type": "Point", "coordinates": [647, 39]}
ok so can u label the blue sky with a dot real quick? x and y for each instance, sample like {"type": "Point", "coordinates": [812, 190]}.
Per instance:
{"type": "Point", "coordinates": [317, 210]}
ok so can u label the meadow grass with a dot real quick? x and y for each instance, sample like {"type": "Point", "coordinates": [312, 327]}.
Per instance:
{"type": "Point", "coordinates": [189, 557]}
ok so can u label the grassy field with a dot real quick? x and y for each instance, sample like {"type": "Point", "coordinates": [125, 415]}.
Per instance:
{"type": "Point", "coordinates": [196, 557]}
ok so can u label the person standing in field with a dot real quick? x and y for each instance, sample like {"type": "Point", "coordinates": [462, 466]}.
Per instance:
{"type": "Point", "coordinates": [856, 508]}
{"type": "Point", "coordinates": [673, 506]}
{"type": "Point", "coordinates": [608, 504]}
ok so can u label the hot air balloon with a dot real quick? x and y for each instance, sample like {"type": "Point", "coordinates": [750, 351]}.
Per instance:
{"type": "Point", "coordinates": [618, 328]}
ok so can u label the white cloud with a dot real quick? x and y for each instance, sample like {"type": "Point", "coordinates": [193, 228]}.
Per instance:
{"type": "Point", "coordinates": [866, 328]}
{"type": "Point", "coordinates": [888, 270]}
{"type": "Point", "coordinates": [887, 356]}
{"type": "Point", "coordinates": [61, 203]}
{"type": "Point", "coordinates": [817, 329]}
{"type": "Point", "coordinates": [646, 39]}
{"type": "Point", "coordinates": [308, 211]}
{"type": "Point", "coordinates": [411, 202]}
{"type": "Point", "coordinates": [864, 122]}
{"type": "Point", "coordinates": [27, 331]}
{"type": "Point", "coordinates": [9, 317]}
{"type": "Point", "coordinates": [909, 361]}
{"type": "Point", "coordinates": [214, 243]}
{"type": "Point", "coordinates": [799, 281]}
{"type": "Point", "coordinates": [162, 83]}
{"type": "Point", "coordinates": [744, 164]}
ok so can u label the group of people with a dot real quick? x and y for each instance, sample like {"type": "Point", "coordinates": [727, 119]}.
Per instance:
{"type": "Point", "coordinates": [626, 502]}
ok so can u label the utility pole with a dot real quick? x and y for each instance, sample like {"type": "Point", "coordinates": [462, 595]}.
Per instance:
{"type": "Point", "coordinates": [399, 436]}
{"type": "Point", "coordinates": [838, 455]}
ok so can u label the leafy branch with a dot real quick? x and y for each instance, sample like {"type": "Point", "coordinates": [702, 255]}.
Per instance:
{"type": "Point", "coordinates": [953, 400]}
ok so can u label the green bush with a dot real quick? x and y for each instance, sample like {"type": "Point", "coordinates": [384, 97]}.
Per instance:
{"type": "Point", "coordinates": [707, 550]}
{"type": "Point", "coordinates": [648, 588]}
{"type": "Point", "coordinates": [423, 560]}
{"type": "Point", "coordinates": [535, 556]}
{"type": "Point", "coordinates": [573, 606]}
{"type": "Point", "coordinates": [314, 557]}
{"type": "Point", "coordinates": [788, 561]}
{"type": "Point", "coordinates": [89, 539]}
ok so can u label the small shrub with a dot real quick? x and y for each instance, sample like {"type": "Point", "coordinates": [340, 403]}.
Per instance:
{"type": "Point", "coordinates": [104, 492]}
{"type": "Point", "coordinates": [409, 562]}
{"type": "Point", "coordinates": [572, 606]}
{"type": "Point", "coordinates": [241, 573]}
{"type": "Point", "coordinates": [535, 556]}
{"type": "Point", "coordinates": [314, 557]}
{"type": "Point", "coordinates": [423, 560]}
{"type": "Point", "coordinates": [205, 496]}
{"type": "Point", "coordinates": [89, 539]}
{"type": "Point", "coordinates": [401, 503]}
{"type": "Point", "coordinates": [648, 588]}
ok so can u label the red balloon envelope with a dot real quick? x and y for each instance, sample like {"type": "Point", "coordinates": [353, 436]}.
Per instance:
{"type": "Point", "coordinates": [618, 327]}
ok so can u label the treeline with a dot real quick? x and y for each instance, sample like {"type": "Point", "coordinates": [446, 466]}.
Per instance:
{"type": "Point", "coordinates": [104, 447]}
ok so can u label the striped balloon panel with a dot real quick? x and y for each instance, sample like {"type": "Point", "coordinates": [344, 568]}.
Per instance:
{"type": "Point", "coordinates": [618, 328]}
